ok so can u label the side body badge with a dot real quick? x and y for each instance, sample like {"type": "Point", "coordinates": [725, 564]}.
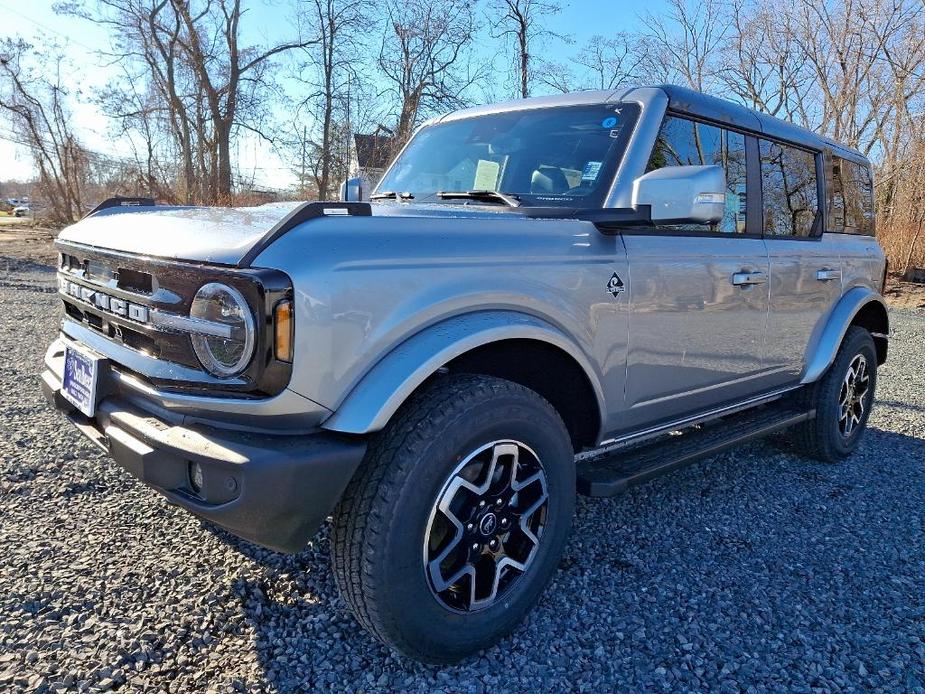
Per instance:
{"type": "Point", "coordinates": [615, 286]}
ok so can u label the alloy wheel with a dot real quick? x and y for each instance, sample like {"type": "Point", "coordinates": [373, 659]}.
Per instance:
{"type": "Point", "coordinates": [852, 396]}
{"type": "Point", "coordinates": [485, 526]}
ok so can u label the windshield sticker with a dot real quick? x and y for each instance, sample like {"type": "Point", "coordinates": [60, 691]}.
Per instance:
{"type": "Point", "coordinates": [591, 170]}
{"type": "Point", "coordinates": [486, 175]}
{"type": "Point", "coordinates": [609, 122]}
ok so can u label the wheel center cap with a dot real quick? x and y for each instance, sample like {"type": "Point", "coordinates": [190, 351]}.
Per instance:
{"type": "Point", "coordinates": [488, 524]}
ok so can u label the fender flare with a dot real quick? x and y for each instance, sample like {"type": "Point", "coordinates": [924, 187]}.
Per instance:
{"type": "Point", "coordinates": [839, 320]}
{"type": "Point", "coordinates": [383, 389]}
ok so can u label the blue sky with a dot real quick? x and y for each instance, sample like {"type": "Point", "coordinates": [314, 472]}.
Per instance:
{"type": "Point", "coordinates": [270, 21]}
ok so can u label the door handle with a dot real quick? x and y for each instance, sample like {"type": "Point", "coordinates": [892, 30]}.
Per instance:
{"type": "Point", "coordinates": [826, 275]}
{"type": "Point", "coordinates": [746, 279]}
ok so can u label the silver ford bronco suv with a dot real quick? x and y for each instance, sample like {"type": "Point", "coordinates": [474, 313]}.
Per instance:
{"type": "Point", "coordinates": [556, 295]}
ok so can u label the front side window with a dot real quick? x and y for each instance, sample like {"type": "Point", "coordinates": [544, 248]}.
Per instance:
{"type": "Point", "coordinates": [560, 156]}
{"type": "Point", "coordinates": [683, 142]}
{"type": "Point", "coordinates": [788, 186]}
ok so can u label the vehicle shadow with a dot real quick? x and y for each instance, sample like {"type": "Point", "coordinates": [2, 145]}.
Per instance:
{"type": "Point", "coordinates": [750, 529]}
{"type": "Point", "coordinates": [10, 263]}
{"type": "Point", "coordinates": [900, 405]}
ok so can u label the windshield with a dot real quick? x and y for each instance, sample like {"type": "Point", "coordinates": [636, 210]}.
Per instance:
{"type": "Point", "coordinates": [565, 155]}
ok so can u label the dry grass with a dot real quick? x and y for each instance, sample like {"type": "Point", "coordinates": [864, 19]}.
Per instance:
{"type": "Point", "coordinates": [897, 241]}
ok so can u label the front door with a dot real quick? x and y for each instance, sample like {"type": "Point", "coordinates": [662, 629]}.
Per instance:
{"type": "Point", "coordinates": [698, 315]}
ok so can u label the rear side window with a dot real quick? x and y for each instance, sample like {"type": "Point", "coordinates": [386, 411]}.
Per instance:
{"type": "Point", "coordinates": [788, 186]}
{"type": "Point", "coordinates": [683, 142]}
{"type": "Point", "coordinates": [851, 202]}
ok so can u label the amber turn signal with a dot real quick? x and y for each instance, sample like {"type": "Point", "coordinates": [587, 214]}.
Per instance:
{"type": "Point", "coordinates": [282, 316]}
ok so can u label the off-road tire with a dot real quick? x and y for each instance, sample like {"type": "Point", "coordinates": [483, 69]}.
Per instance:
{"type": "Point", "coordinates": [820, 437]}
{"type": "Point", "coordinates": [381, 521]}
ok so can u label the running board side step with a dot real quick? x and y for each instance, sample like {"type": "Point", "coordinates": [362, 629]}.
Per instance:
{"type": "Point", "coordinates": [613, 474]}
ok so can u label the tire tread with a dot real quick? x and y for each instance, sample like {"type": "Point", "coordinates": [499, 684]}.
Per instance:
{"type": "Point", "coordinates": [813, 437]}
{"type": "Point", "coordinates": [361, 519]}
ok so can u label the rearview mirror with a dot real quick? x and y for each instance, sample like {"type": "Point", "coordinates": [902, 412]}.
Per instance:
{"type": "Point", "coordinates": [353, 190]}
{"type": "Point", "coordinates": [683, 194]}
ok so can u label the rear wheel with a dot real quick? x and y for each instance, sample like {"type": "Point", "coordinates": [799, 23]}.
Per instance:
{"type": "Point", "coordinates": [457, 518]}
{"type": "Point", "coordinates": [842, 398]}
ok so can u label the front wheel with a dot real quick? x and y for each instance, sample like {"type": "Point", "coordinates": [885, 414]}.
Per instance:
{"type": "Point", "coordinates": [457, 518]}
{"type": "Point", "coordinates": [842, 398]}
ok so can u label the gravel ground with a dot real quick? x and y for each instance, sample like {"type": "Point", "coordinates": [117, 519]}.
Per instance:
{"type": "Point", "coordinates": [757, 570]}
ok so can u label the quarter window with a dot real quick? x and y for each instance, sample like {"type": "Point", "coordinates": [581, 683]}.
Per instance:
{"type": "Point", "coordinates": [682, 142]}
{"type": "Point", "coordinates": [852, 198]}
{"type": "Point", "coordinates": [788, 185]}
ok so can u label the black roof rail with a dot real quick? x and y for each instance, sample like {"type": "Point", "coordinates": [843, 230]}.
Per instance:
{"type": "Point", "coordinates": [119, 201]}
{"type": "Point", "coordinates": [300, 214]}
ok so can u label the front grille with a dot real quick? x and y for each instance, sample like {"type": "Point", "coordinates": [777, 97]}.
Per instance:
{"type": "Point", "coordinates": [140, 303]}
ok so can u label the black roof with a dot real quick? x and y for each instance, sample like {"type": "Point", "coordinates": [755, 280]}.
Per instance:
{"type": "Point", "coordinates": [694, 103]}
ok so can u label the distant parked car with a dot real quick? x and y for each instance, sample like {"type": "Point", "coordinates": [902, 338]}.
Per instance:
{"type": "Point", "coordinates": [22, 211]}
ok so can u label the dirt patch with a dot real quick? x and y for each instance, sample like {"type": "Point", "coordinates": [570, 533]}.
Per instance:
{"type": "Point", "coordinates": [901, 294]}
{"type": "Point", "coordinates": [20, 241]}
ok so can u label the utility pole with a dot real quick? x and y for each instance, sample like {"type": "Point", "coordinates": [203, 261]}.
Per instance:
{"type": "Point", "coordinates": [302, 170]}
{"type": "Point", "coordinates": [349, 127]}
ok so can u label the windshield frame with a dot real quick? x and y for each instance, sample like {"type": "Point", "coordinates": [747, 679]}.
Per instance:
{"type": "Point", "coordinates": [630, 114]}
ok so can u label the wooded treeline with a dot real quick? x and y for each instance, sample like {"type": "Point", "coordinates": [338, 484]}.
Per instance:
{"type": "Point", "coordinates": [188, 85]}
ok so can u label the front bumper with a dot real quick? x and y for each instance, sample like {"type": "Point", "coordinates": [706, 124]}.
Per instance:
{"type": "Point", "coordinates": [274, 490]}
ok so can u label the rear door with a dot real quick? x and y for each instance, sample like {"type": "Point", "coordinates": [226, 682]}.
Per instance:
{"type": "Point", "coordinates": [699, 294]}
{"type": "Point", "coordinates": [806, 271]}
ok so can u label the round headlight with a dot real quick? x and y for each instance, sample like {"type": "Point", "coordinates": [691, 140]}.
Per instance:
{"type": "Point", "coordinates": [226, 346]}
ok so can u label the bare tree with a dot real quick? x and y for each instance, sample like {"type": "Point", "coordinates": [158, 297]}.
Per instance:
{"type": "Point", "coordinates": [763, 64]}
{"type": "Point", "coordinates": [680, 46]}
{"type": "Point", "coordinates": [426, 59]}
{"type": "Point", "coordinates": [137, 116]}
{"type": "Point", "coordinates": [610, 62]}
{"type": "Point", "coordinates": [230, 77]}
{"type": "Point", "coordinates": [846, 68]}
{"type": "Point", "coordinates": [602, 63]}
{"type": "Point", "coordinates": [34, 97]}
{"type": "Point", "coordinates": [521, 23]}
{"type": "Point", "coordinates": [331, 66]}
{"type": "Point", "coordinates": [210, 85]}
{"type": "Point", "coordinates": [850, 69]}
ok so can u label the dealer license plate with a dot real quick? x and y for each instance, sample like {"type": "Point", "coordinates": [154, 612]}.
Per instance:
{"type": "Point", "coordinates": [81, 375]}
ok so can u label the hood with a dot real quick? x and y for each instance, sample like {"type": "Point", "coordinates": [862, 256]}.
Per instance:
{"type": "Point", "coordinates": [221, 235]}
{"type": "Point", "coordinates": [207, 234]}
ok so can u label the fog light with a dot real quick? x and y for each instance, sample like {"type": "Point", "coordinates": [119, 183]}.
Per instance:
{"type": "Point", "coordinates": [195, 477]}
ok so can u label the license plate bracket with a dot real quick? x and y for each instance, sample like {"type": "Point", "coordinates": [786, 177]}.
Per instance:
{"type": "Point", "coordinates": [80, 384]}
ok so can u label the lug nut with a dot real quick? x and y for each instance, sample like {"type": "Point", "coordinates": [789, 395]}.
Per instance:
{"type": "Point", "coordinates": [482, 503]}
{"type": "Point", "coordinates": [475, 547]}
{"type": "Point", "coordinates": [504, 522]}
{"type": "Point", "coordinates": [499, 502]}
{"type": "Point", "coordinates": [469, 526]}
{"type": "Point", "coordinates": [493, 544]}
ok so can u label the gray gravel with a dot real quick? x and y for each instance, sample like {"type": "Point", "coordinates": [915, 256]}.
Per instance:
{"type": "Point", "coordinates": [757, 570]}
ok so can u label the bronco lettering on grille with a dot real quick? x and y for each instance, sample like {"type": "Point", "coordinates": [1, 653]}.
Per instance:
{"type": "Point", "coordinates": [104, 302]}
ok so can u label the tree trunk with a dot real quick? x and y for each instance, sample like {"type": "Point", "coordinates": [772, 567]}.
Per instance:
{"type": "Point", "coordinates": [915, 239]}
{"type": "Point", "coordinates": [223, 182]}
{"type": "Point", "coordinates": [409, 112]}
{"type": "Point", "coordinates": [524, 63]}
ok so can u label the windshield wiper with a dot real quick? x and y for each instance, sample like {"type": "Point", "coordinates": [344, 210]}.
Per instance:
{"type": "Point", "coordinates": [391, 195]}
{"type": "Point", "coordinates": [481, 195]}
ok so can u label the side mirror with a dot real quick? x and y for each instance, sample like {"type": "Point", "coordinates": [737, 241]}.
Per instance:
{"type": "Point", "coordinates": [353, 190]}
{"type": "Point", "coordinates": [683, 194]}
